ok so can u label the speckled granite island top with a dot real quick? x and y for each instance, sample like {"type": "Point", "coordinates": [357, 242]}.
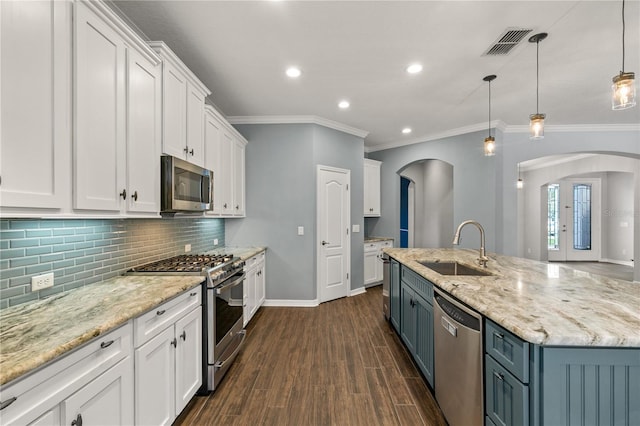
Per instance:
{"type": "Point", "coordinates": [35, 333]}
{"type": "Point", "coordinates": [377, 239]}
{"type": "Point", "coordinates": [543, 303]}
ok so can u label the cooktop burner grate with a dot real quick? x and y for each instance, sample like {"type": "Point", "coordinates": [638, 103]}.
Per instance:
{"type": "Point", "coordinates": [185, 263]}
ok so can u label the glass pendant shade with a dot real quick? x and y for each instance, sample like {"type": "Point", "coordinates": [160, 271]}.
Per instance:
{"type": "Point", "coordinates": [520, 183]}
{"type": "Point", "coordinates": [489, 146]}
{"type": "Point", "coordinates": [623, 91]}
{"type": "Point", "coordinates": [536, 126]}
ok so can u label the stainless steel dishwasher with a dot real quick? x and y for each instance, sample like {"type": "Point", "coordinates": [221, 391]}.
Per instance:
{"type": "Point", "coordinates": [458, 361]}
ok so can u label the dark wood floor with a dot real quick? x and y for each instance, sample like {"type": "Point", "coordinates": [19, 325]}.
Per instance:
{"type": "Point", "coordinates": [337, 364]}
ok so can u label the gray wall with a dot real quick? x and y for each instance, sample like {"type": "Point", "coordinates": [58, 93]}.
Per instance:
{"type": "Point", "coordinates": [281, 164]}
{"type": "Point", "coordinates": [433, 202]}
{"type": "Point", "coordinates": [85, 251]}
{"type": "Point", "coordinates": [484, 187]}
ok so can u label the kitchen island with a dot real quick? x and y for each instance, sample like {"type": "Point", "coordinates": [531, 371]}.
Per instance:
{"type": "Point", "coordinates": [560, 345]}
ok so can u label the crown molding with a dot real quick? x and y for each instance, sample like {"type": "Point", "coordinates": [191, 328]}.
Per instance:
{"type": "Point", "coordinates": [506, 128]}
{"type": "Point", "coordinates": [495, 124]}
{"type": "Point", "coordinates": [298, 119]}
{"type": "Point", "coordinates": [560, 128]}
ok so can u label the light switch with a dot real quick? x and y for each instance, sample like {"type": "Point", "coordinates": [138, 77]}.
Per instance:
{"type": "Point", "coordinates": [300, 230]}
{"type": "Point", "coordinates": [355, 228]}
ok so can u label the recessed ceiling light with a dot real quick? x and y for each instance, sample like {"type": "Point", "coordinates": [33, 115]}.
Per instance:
{"type": "Point", "coordinates": [414, 68]}
{"type": "Point", "coordinates": [344, 104]}
{"type": "Point", "coordinates": [406, 130]}
{"type": "Point", "coordinates": [293, 72]}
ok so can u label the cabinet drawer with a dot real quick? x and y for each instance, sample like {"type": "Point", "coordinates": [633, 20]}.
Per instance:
{"type": "Point", "coordinates": [249, 263]}
{"type": "Point", "coordinates": [508, 350]}
{"type": "Point", "coordinates": [37, 393]}
{"type": "Point", "coordinates": [506, 398]}
{"type": "Point", "coordinates": [369, 247]}
{"type": "Point", "coordinates": [420, 284]}
{"type": "Point", "coordinates": [384, 244]}
{"type": "Point", "coordinates": [153, 322]}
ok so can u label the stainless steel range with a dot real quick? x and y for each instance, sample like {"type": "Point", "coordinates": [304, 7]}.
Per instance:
{"type": "Point", "coordinates": [223, 335]}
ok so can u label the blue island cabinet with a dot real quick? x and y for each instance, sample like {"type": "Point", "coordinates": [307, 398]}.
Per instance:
{"type": "Point", "coordinates": [527, 384]}
{"type": "Point", "coordinates": [394, 294]}
{"type": "Point", "coordinates": [416, 325]}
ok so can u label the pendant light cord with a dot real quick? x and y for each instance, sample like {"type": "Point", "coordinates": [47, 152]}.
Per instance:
{"type": "Point", "coordinates": [538, 75]}
{"type": "Point", "coordinates": [623, 28]}
{"type": "Point", "coordinates": [489, 108]}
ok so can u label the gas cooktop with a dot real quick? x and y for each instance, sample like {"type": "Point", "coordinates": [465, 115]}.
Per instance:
{"type": "Point", "coordinates": [186, 263]}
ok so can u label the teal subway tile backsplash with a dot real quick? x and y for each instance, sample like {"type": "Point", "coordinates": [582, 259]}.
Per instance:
{"type": "Point", "coordinates": [85, 251]}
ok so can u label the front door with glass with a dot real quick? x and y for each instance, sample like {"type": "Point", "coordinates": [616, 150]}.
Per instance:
{"type": "Point", "coordinates": [573, 224]}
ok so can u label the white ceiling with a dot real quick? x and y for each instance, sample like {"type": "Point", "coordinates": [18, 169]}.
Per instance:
{"type": "Point", "coordinates": [358, 50]}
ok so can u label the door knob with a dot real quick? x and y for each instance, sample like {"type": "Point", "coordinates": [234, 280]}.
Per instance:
{"type": "Point", "coordinates": [324, 243]}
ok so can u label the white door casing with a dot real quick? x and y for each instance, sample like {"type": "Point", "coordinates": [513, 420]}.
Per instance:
{"type": "Point", "coordinates": [565, 251]}
{"type": "Point", "coordinates": [333, 239]}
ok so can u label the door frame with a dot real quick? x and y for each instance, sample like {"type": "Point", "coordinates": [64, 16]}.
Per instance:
{"type": "Point", "coordinates": [318, 238]}
{"type": "Point", "coordinates": [566, 254]}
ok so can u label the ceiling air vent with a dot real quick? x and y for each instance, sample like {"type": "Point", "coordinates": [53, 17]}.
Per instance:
{"type": "Point", "coordinates": [507, 41]}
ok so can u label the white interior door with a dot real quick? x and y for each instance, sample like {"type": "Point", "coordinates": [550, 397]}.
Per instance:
{"type": "Point", "coordinates": [333, 213]}
{"type": "Point", "coordinates": [574, 220]}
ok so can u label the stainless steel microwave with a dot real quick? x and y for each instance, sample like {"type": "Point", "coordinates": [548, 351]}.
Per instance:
{"type": "Point", "coordinates": [185, 187]}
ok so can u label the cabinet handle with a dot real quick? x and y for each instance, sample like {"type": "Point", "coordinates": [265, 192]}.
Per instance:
{"type": "Point", "coordinates": [8, 402]}
{"type": "Point", "coordinates": [183, 336]}
{"type": "Point", "coordinates": [237, 207]}
{"type": "Point", "coordinates": [123, 194]}
{"type": "Point", "coordinates": [498, 335]}
{"type": "Point", "coordinates": [186, 150]}
{"type": "Point", "coordinates": [225, 205]}
{"type": "Point", "coordinates": [160, 312]}
{"type": "Point", "coordinates": [499, 376]}
{"type": "Point", "coordinates": [77, 421]}
{"type": "Point", "coordinates": [135, 196]}
{"type": "Point", "coordinates": [106, 344]}
{"type": "Point", "coordinates": [174, 342]}
{"type": "Point", "coordinates": [195, 293]}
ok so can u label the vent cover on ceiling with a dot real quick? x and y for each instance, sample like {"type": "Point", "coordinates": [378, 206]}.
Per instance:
{"type": "Point", "coordinates": [507, 41]}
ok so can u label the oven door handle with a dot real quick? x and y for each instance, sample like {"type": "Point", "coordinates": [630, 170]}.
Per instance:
{"type": "Point", "coordinates": [233, 283]}
{"type": "Point", "coordinates": [221, 364]}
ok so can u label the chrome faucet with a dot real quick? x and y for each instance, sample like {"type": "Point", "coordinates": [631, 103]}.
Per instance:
{"type": "Point", "coordinates": [483, 259]}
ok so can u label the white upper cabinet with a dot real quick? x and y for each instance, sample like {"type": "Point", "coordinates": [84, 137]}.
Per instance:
{"type": "Point", "coordinates": [225, 156]}
{"type": "Point", "coordinates": [35, 106]}
{"type": "Point", "coordinates": [117, 116]}
{"type": "Point", "coordinates": [183, 96]}
{"type": "Point", "coordinates": [371, 188]}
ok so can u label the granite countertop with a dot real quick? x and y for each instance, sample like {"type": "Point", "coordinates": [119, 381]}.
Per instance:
{"type": "Point", "coordinates": [243, 253]}
{"type": "Point", "coordinates": [377, 239]}
{"type": "Point", "coordinates": [543, 303]}
{"type": "Point", "coordinates": [35, 333]}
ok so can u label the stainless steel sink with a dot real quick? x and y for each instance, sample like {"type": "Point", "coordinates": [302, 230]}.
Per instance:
{"type": "Point", "coordinates": [453, 268]}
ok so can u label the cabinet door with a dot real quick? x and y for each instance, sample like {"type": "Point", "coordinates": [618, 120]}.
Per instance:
{"type": "Point", "coordinates": [225, 176]}
{"type": "Point", "coordinates": [371, 188]}
{"type": "Point", "coordinates": [35, 105]}
{"type": "Point", "coordinates": [195, 125]}
{"type": "Point", "coordinates": [261, 282]}
{"type": "Point", "coordinates": [250, 287]}
{"type": "Point", "coordinates": [394, 294]}
{"type": "Point", "coordinates": [188, 357]}
{"type": "Point", "coordinates": [407, 325]}
{"type": "Point", "coordinates": [51, 417]}
{"type": "Point", "coordinates": [370, 260]}
{"type": "Point", "coordinates": [424, 337]}
{"type": "Point", "coordinates": [213, 157]}
{"type": "Point", "coordinates": [99, 154]}
{"type": "Point", "coordinates": [174, 111]}
{"type": "Point", "coordinates": [506, 399]}
{"type": "Point", "coordinates": [143, 135]}
{"type": "Point", "coordinates": [238, 177]}
{"type": "Point", "coordinates": [154, 380]}
{"type": "Point", "coordinates": [107, 400]}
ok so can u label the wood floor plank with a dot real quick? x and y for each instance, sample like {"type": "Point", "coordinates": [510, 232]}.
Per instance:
{"type": "Point", "coordinates": [337, 364]}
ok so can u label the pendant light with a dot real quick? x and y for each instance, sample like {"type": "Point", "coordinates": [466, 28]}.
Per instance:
{"type": "Point", "coordinates": [623, 94]}
{"type": "Point", "coordinates": [536, 121]}
{"type": "Point", "coordinates": [489, 141]}
{"type": "Point", "coordinates": [520, 182]}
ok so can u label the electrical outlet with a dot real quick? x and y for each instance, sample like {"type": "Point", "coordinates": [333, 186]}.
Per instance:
{"type": "Point", "coordinates": [42, 281]}
{"type": "Point", "coordinates": [187, 248]}
{"type": "Point", "coordinates": [215, 241]}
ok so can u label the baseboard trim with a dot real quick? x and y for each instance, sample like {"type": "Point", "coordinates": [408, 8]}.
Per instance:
{"type": "Point", "coordinates": [291, 303]}
{"type": "Point", "coordinates": [357, 291]}
{"type": "Point", "coordinates": [618, 262]}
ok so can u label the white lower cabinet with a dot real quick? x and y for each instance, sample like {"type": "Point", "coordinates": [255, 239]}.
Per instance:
{"type": "Point", "coordinates": [168, 363]}
{"type": "Point", "coordinates": [254, 286]}
{"type": "Point", "coordinates": [372, 261]}
{"type": "Point", "coordinates": [93, 383]}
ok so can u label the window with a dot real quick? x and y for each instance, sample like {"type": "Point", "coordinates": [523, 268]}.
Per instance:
{"type": "Point", "coordinates": [553, 217]}
{"type": "Point", "coordinates": [582, 216]}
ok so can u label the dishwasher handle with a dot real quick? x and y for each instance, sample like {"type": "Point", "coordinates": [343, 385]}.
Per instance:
{"type": "Point", "coordinates": [458, 313]}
